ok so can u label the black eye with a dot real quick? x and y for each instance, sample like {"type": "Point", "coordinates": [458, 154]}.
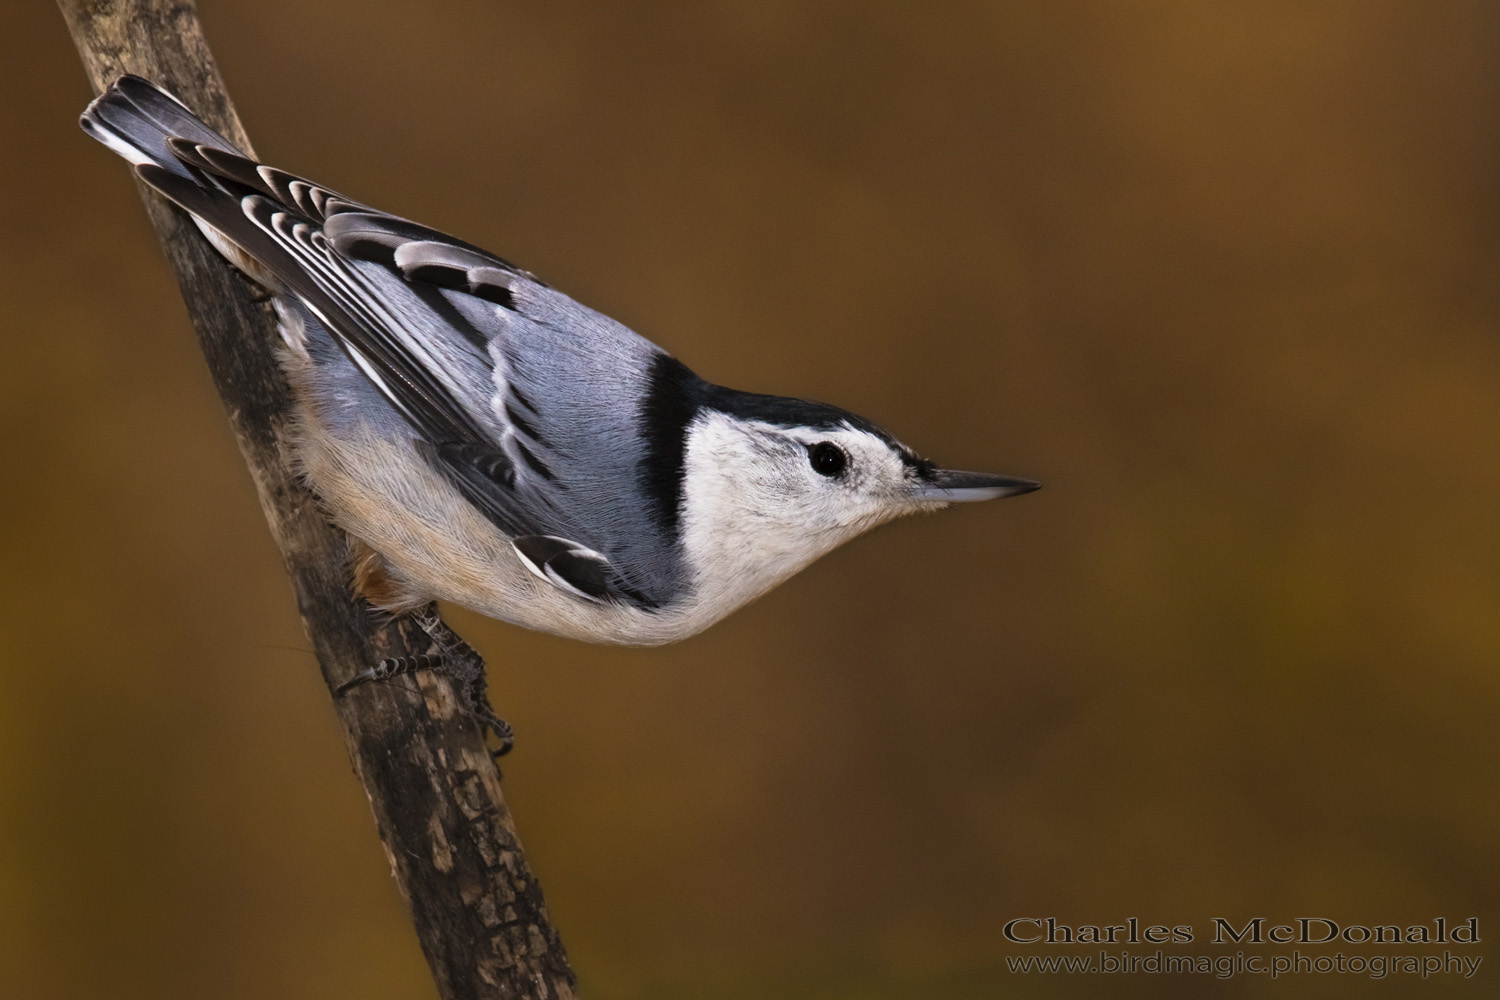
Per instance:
{"type": "Point", "coordinates": [827, 459]}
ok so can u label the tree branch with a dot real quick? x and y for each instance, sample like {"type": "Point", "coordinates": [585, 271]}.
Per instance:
{"type": "Point", "coordinates": [431, 782]}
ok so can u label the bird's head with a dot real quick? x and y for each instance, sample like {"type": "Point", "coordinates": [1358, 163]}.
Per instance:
{"type": "Point", "coordinates": [770, 484]}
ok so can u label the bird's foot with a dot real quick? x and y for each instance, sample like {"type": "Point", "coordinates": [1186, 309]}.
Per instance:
{"type": "Point", "coordinates": [455, 658]}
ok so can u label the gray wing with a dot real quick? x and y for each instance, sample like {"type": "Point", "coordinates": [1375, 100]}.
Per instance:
{"type": "Point", "coordinates": [527, 401]}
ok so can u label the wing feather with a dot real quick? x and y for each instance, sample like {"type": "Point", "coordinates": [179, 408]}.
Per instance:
{"type": "Point", "coordinates": [455, 339]}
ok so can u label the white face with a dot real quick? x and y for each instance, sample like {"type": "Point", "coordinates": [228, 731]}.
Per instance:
{"type": "Point", "coordinates": [762, 500]}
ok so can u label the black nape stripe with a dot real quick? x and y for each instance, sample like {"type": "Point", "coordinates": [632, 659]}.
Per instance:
{"type": "Point", "coordinates": [784, 411]}
{"type": "Point", "coordinates": [672, 400]}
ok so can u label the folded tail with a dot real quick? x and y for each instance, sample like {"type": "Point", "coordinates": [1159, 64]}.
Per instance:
{"type": "Point", "coordinates": [135, 118]}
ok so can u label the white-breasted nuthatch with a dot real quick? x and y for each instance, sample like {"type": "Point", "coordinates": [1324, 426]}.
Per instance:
{"type": "Point", "coordinates": [492, 442]}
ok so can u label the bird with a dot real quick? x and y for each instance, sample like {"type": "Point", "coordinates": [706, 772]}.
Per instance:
{"type": "Point", "coordinates": [486, 440]}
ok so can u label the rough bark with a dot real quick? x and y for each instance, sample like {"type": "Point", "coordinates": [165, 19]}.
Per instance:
{"type": "Point", "coordinates": [430, 779]}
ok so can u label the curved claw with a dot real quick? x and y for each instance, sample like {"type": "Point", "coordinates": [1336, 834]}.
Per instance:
{"type": "Point", "coordinates": [502, 730]}
{"type": "Point", "coordinates": [367, 674]}
{"type": "Point", "coordinates": [390, 667]}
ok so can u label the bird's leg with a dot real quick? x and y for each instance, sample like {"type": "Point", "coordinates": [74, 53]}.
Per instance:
{"type": "Point", "coordinates": [465, 666]}
{"type": "Point", "coordinates": [453, 657]}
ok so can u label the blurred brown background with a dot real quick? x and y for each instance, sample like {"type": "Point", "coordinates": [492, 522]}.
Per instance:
{"type": "Point", "coordinates": [1223, 276]}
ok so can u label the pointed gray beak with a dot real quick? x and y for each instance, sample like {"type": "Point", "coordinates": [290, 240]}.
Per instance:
{"type": "Point", "coordinates": [951, 486]}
